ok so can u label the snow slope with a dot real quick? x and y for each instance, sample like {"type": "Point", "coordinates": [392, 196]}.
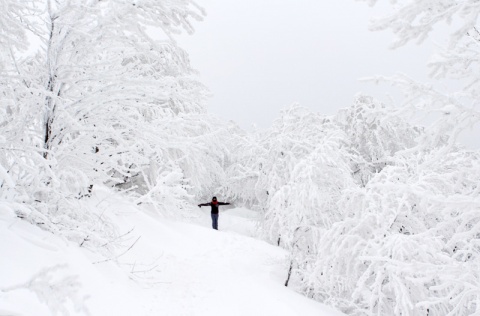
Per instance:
{"type": "Point", "coordinates": [174, 268]}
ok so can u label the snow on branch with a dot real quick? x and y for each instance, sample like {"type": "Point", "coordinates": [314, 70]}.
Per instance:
{"type": "Point", "coordinates": [56, 290]}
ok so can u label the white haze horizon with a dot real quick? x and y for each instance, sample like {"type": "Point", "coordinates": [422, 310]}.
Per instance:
{"type": "Point", "coordinates": [259, 57]}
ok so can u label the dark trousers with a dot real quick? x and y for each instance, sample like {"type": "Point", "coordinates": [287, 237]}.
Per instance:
{"type": "Point", "coordinates": [215, 221]}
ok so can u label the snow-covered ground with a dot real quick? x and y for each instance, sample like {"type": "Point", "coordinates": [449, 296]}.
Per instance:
{"type": "Point", "coordinates": [174, 268]}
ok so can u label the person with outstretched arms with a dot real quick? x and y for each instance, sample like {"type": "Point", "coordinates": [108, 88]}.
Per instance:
{"type": "Point", "coordinates": [214, 205]}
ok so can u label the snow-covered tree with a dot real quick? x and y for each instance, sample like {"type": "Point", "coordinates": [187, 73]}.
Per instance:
{"type": "Point", "coordinates": [458, 60]}
{"type": "Point", "coordinates": [293, 174]}
{"type": "Point", "coordinates": [407, 237]}
{"type": "Point", "coordinates": [108, 80]}
{"type": "Point", "coordinates": [408, 243]}
{"type": "Point", "coordinates": [399, 241]}
{"type": "Point", "coordinates": [103, 96]}
{"type": "Point", "coordinates": [243, 171]}
{"type": "Point", "coordinates": [304, 170]}
{"type": "Point", "coordinates": [375, 133]}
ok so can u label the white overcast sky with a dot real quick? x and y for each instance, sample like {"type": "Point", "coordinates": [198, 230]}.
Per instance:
{"type": "Point", "coordinates": [258, 56]}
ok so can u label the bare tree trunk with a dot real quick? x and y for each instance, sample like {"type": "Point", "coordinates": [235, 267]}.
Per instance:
{"type": "Point", "coordinates": [49, 118]}
{"type": "Point", "coordinates": [289, 273]}
{"type": "Point", "coordinates": [49, 106]}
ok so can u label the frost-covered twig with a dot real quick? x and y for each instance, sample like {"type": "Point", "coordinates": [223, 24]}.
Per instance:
{"type": "Point", "coordinates": [56, 292]}
{"type": "Point", "coordinates": [119, 255]}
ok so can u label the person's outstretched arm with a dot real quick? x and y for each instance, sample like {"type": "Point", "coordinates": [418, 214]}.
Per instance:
{"type": "Point", "coordinates": [223, 203]}
{"type": "Point", "coordinates": [204, 204]}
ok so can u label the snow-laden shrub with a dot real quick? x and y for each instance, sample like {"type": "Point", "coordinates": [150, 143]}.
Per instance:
{"type": "Point", "coordinates": [409, 244]}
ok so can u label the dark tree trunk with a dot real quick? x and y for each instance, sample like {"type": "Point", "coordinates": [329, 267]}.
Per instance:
{"type": "Point", "coordinates": [289, 273]}
{"type": "Point", "coordinates": [49, 106]}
